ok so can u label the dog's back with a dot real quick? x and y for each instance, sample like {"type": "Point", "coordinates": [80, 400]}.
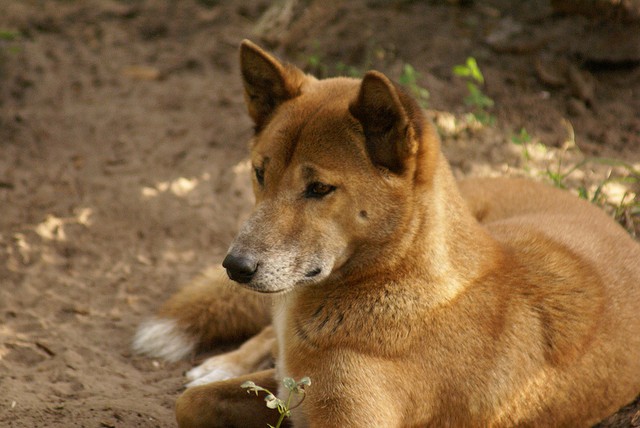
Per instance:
{"type": "Point", "coordinates": [582, 277]}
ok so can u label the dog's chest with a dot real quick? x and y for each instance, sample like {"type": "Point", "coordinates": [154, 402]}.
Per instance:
{"type": "Point", "coordinates": [279, 325]}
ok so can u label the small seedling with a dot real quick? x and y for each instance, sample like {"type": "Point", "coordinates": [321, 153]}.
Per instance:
{"type": "Point", "coordinates": [315, 63]}
{"type": "Point", "coordinates": [476, 99]}
{"type": "Point", "coordinates": [626, 211]}
{"type": "Point", "coordinates": [523, 139]}
{"type": "Point", "coordinates": [558, 176]}
{"type": "Point", "coordinates": [8, 35]}
{"type": "Point", "coordinates": [342, 69]}
{"type": "Point", "coordinates": [273, 402]}
{"type": "Point", "coordinates": [409, 78]}
{"type": "Point", "coordinates": [6, 39]}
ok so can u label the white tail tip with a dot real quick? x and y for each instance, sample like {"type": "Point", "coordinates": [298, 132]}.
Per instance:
{"type": "Point", "coordinates": [163, 338]}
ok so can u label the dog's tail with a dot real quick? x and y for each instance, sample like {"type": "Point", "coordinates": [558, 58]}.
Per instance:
{"type": "Point", "coordinates": [208, 311]}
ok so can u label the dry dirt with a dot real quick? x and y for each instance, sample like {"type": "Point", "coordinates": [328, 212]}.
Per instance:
{"type": "Point", "coordinates": [123, 142]}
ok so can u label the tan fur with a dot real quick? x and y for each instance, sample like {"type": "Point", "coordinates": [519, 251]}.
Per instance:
{"type": "Point", "coordinates": [229, 406]}
{"type": "Point", "coordinates": [213, 310]}
{"type": "Point", "coordinates": [410, 299]}
{"type": "Point", "coordinates": [254, 354]}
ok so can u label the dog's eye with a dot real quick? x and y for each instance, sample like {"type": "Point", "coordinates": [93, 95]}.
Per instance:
{"type": "Point", "coordinates": [318, 190]}
{"type": "Point", "coordinates": [259, 175]}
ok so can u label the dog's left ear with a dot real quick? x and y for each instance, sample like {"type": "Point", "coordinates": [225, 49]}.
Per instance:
{"type": "Point", "coordinates": [390, 120]}
{"type": "Point", "coordinates": [267, 82]}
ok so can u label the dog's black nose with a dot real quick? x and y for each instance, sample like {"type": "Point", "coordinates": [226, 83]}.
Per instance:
{"type": "Point", "coordinates": [240, 268]}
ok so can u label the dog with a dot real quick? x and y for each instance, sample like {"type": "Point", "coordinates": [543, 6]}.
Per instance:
{"type": "Point", "coordinates": [408, 298]}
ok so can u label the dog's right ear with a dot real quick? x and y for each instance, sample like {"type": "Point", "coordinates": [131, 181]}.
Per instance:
{"type": "Point", "coordinates": [267, 82]}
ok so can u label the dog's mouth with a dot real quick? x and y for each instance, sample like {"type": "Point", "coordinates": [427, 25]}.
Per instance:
{"type": "Point", "coordinates": [263, 290]}
{"type": "Point", "coordinates": [313, 273]}
{"type": "Point", "coordinates": [250, 282]}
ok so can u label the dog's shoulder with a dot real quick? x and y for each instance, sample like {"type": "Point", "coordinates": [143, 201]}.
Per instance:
{"type": "Point", "coordinates": [557, 287]}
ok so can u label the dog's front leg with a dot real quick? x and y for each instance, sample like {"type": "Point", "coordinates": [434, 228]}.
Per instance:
{"type": "Point", "coordinates": [226, 404]}
{"type": "Point", "coordinates": [350, 404]}
{"type": "Point", "coordinates": [352, 418]}
{"type": "Point", "coordinates": [254, 355]}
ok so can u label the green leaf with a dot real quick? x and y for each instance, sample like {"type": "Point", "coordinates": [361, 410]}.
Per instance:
{"type": "Point", "coordinates": [252, 387]}
{"type": "Point", "coordinates": [289, 383]}
{"type": "Point", "coordinates": [462, 71]}
{"type": "Point", "coordinates": [409, 75]}
{"type": "Point", "coordinates": [305, 381]}
{"type": "Point", "coordinates": [598, 192]}
{"type": "Point", "coordinates": [8, 35]}
{"type": "Point", "coordinates": [272, 401]}
{"type": "Point", "coordinates": [314, 60]}
{"type": "Point", "coordinates": [521, 138]}
{"type": "Point", "coordinates": [474, 70]}
{"type": "Point", "coordinates": [583, 193]}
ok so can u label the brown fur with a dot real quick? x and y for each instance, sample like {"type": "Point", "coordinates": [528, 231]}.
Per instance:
{"type": "Point", "coordinates": [214, 296]}
{"type": "Point", "coordinates": [490, 302]}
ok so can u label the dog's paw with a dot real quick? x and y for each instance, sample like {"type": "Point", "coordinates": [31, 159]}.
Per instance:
{"type": "Point", "coordinates": [214, 369]}
{"type": "Point", "coordinates": [216, 375]}
{"type": "Point", "coordinates": [163, 338]}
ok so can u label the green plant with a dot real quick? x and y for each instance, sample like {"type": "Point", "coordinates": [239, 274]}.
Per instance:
{"type": "Point", "coordinates": [316, 65]}
{"type": "Point", "coordinates": [523, 139]}
{"type": "Point", "coordinates": [409, 78]}
{"type": "Point", "coordinates": [323, 63]}
{"type": "Point", "coordinates": [342, 69]}
{"type": "Point", "coordinates": [273, 402]}
{"type": "Point", "coordinates": [476, 99]}
{"type": "Point", "coordinates": [8, 35]}
{"type": "Point", "coordinates": [626, 211]}
{"type": "Point", "coordinates": [624, 207]}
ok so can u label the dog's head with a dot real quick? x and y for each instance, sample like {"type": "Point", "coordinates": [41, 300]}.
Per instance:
{"type": "Point", "coordinates": [336, 164]}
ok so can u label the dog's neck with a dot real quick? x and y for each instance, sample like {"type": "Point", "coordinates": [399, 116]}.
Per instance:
{"type": "Point", "coordinates": [440, 253]}
{"type": "Point", "coordinates": [447, 243]}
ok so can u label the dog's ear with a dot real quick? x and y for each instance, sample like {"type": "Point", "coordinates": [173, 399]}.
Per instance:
{"type": "Point", "coordinates": [267, 82]}
{"type": "Point", "coordinates": [390, 120]}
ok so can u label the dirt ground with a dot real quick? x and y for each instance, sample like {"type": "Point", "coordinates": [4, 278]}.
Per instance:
{"type": "Point", "coordinates": [123, 144]}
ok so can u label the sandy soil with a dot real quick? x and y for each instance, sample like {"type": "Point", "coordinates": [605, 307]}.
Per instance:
{"type": "Point", "coordinates": [122, 157]}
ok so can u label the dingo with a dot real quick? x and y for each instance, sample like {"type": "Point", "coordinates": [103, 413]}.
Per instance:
{"type": "Point", "coordinates": [410, 300]}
